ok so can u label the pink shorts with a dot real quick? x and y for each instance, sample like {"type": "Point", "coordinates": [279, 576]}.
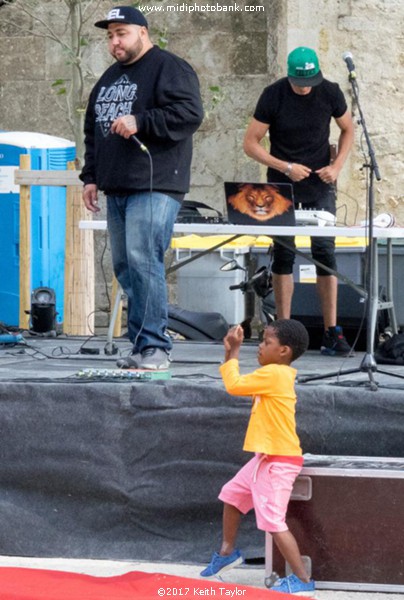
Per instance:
{"type": "Point", "coordinates": [264, 486]}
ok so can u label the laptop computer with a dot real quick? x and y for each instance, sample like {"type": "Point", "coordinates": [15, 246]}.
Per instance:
{"type": "Point", "coordinates": [260, 203]}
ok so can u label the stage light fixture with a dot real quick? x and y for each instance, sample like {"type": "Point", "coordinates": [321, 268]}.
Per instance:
{"type": "Point", "coordinates": [43, 310]}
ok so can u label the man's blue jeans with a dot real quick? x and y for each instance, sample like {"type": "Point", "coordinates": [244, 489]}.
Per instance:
{"type": "Point", "coordinates": [140, 228]}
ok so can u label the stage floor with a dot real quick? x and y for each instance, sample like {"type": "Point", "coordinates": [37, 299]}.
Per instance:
{"type": "Point", "coordinates": [60, 358]}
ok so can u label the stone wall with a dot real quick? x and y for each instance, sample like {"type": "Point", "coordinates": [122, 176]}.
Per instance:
{"type": "Point", "coordinates": [239, 52]}
{"type": "Point", "coordinates": [372, 31]}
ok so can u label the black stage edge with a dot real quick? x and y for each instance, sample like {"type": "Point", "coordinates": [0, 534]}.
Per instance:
{"type": "Point", "coordinates": [98, 468]}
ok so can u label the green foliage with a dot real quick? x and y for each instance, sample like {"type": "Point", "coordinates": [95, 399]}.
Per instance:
{"type": "Point", "coordinates": [161, 38]}
{"type": "Point", "coordinates": [59, 86]}
{"type": "Point", "coordinates": [216, 97]}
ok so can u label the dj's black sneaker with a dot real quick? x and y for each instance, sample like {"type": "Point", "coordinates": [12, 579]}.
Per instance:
{"type": "Point", "coordinates": [335, 344]}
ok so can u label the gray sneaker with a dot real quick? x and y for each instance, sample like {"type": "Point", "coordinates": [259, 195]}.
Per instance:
{"type": "Point", "coordinates": [154, 359]}
{"type": "Point", "coordinates": [130, 362]}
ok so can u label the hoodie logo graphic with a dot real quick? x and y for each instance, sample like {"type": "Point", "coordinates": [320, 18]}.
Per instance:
{"type": "Point", "coordinates": [113, 102]}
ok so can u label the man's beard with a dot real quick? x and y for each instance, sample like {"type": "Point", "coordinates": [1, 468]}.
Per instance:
{"type": "Point", "coordinates": [130, 56]}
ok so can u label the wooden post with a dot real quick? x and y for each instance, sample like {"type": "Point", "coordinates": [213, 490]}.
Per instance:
{"type": "Point", "coordinates": [79, 267]}
{"type": "Point", "coordinates": [116, 289]}
{"type": "Point", "coordinates": [25, 246]}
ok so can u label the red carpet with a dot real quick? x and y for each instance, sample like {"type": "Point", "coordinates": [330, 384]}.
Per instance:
{"type": "Point", "coordinates": [36, 584]}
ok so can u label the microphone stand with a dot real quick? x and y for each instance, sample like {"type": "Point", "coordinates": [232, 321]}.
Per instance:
{"type": "Point", "coordinates": [368, 364]}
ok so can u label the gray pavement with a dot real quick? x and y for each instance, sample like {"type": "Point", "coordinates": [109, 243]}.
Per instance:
{"type": "Point", "coordinates": [244, 575]}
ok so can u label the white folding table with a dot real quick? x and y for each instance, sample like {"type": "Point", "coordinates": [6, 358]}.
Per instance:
{"type": "Point", "coordinates": [387, 234]}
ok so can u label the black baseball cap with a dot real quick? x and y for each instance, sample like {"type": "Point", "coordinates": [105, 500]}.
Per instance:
{"type": "Point", "coordinates": [128, 15]}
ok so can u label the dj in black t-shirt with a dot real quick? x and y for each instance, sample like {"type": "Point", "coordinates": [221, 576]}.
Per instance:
{"type": "Point", "coordinates": [296, 112]}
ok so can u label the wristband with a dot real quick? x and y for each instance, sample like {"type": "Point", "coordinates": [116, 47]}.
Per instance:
{"type": "Point", "coordinates": [288, 170]}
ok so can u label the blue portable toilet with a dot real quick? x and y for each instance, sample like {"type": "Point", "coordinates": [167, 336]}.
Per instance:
{"type": "Point", "coordinates": [48, 219]}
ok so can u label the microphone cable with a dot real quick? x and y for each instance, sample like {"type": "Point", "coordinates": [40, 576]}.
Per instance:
{"type": "Point", "coordinates": [146, 151]}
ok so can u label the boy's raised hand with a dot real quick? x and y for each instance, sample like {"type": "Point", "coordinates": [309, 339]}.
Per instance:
{"type": "Point", "coordinates": [233, 341]}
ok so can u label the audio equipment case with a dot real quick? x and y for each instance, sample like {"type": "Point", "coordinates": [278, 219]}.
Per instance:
{"type": "Point", "coordinates": [347, 514]}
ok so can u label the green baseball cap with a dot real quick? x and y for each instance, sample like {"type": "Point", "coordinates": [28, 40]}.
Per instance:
{"type": "Point", "coordinates": [304, 68]}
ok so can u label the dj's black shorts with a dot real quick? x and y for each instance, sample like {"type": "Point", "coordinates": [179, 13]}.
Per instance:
{"type": "Point", "coordinates": [322, 248]}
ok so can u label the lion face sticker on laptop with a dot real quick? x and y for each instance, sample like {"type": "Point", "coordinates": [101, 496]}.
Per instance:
{"type": "Point", "coordinates": [260, 202]}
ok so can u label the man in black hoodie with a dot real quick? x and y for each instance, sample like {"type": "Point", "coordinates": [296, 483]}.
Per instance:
{"type": "Point", "coordinates": [139, 124]}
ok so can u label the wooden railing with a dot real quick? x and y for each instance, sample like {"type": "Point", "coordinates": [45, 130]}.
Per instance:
{"type": "Point", "coordinates": [79, 250]}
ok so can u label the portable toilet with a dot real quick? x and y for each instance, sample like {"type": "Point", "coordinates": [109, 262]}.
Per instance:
{"type": "Point", "coordinates": [48, 218]}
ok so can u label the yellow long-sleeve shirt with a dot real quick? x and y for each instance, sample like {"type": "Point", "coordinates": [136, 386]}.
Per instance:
{"type": "Point", "coordinates": [272, 425]}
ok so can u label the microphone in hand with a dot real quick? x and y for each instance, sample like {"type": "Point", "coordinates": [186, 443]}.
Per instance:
{"type": "Point", "coordinates": [139, 143]}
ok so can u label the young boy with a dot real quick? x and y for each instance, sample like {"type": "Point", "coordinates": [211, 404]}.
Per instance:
{"type": "Point", "coordinates": [266, 481]}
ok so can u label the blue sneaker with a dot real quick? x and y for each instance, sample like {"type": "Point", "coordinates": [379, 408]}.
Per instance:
{"type": "Point", "coordinates": [293, 585]}
{"type": "Point", "coordinates": [221, 564]}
